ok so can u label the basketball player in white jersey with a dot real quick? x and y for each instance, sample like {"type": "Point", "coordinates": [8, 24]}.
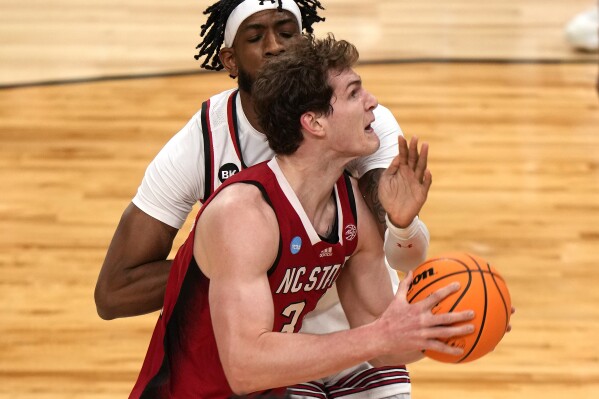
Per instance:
{"type": "Point", "coordinates": [225, 137]}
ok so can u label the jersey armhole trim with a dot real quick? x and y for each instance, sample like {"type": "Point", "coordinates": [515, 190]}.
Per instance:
{"type": "Point", "coordinates": [350, 195]}
{"type": "Point", "coordinates": [208, 180]}
{"type": "Point", "coordinates": [233, 126]}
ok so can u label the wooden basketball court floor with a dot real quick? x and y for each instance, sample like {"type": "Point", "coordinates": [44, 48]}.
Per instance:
{"type": "Point", "coordinates": [510, 113]}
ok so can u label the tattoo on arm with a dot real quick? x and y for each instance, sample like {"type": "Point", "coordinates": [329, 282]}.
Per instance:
{"type": "Point", "coordinates": [369, 184]}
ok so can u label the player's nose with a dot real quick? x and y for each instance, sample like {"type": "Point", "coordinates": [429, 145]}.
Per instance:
{"type": "Point", "coordinates": [371, 101]}
{"type": "Point", "coordinates": [273, 45]}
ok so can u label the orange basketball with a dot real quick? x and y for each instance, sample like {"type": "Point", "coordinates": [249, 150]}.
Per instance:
{"type": "Point", "coordinates": [482, 289]}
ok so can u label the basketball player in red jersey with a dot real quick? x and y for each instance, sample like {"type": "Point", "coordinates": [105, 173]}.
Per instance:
{"type": "Point", "coordinates": [276, 236]}
{"type": "Point", "coordinates": [224, 137]}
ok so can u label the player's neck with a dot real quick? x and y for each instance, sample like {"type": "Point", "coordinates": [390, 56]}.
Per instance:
{"type": "Point", "coordinates": [248, 109]}
{"type": "Point", "coordinates": [311, 183]}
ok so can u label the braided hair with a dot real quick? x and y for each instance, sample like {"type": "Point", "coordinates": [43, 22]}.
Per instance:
{"type": "Point", "coordinates": [213, 31]}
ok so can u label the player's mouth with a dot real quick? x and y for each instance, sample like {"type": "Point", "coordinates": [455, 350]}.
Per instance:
{"type": "Point", "coordinates": [368, 128]}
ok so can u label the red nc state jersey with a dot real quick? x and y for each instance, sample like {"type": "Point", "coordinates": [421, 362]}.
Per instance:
{"type": "Point", "coordinates": [182, 360]}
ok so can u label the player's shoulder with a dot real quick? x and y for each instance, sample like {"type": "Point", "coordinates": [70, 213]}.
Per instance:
{"type": "Point", "coordinates": [214, 101]}
{"type": "Point", "coordinates": [239, 213]}
{"type": "Point", "coordinates": [240, 192]}
{"type": "Point", "coordinates": [212, 111]}
{"type": "Point", "coordinates": [242, 226]}
{"type": "Point", "coordinates": [222, 97]}
{"type": "Point", "coordinates": [241, 202]}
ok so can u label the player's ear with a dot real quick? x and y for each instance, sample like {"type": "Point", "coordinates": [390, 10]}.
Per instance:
{"type": "Point", "coordinates": [227, 58]}
{"type": "Point", "coordinates": [311, 123]}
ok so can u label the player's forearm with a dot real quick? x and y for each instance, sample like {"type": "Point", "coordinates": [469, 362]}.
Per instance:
{"type": "Point", "coordinates": [133, 277]}
{"type": "Point", "coordinates": [406, 248]}
{"type": "Point", "coordinates": [279, 359]}
{"type": "Point", "coordinates": [137, 291]}
{"type": "Point", "coordinates": [368, 185]}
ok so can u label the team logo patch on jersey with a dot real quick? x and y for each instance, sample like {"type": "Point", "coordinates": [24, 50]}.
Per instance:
{"type": "Point", "coordinates": [350, 232]}
{"type": "Point", "coordinates": [326, 252]}
{"type": "Point", "coordinates": [296, 245]}
{"type": "Point", "coordinates": [226, 171]}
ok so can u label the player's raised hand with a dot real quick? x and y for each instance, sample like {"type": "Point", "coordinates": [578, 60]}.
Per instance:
{"type": "Point", "coordinates": [404, 185]}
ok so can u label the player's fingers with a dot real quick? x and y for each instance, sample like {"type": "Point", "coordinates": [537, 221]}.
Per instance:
{"type": "Point", "coordinates": [403, 150]}
{"type": "Point", "coordinates": [413, 153]}
{"type": "Point", "coordinates": [427, 180]}
{"type": "Point", "coordinates": [439, 295]}
{"type": "Point", "coordinates": [509, 326]}
{"type": "Point", "coordinates": [446, 319]}
{"type": "Point", "coordinates": [404, 285]}
{"type": "Point", "coordinates": [393, 167]}
{"type": "Point", "coordinates": [422, 162]}
{"type": "Point", "coordinates": [438, 346]}
{"type": "Point", "coordinates": [450, 331]}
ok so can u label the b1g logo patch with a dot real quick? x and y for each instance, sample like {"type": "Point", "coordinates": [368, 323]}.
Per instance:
{"type": "Point", "coordinates": [350, 232]}
{"type": "Point", "coordinates": [226, 171]}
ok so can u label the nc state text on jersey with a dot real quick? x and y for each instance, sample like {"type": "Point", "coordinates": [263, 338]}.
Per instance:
{"type": "Point", "coordinates": [296, 279]}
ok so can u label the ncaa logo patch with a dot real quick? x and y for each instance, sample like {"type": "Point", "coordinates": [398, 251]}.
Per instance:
{"type": "Point", "coordinates": [296, 245]}
{"type": "Point", "coordinates": [350, 232]}
{"type": "Point", "coordinates": [226, 171]}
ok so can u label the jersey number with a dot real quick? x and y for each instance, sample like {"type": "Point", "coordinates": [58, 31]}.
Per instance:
{"type": "Point", "coordinates": [293, 312]}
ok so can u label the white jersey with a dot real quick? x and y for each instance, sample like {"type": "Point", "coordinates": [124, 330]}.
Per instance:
{"type": "Point", "coordinates": [218, 142]}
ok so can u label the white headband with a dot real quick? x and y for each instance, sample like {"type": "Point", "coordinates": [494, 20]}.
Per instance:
{"type": "Point", "coordinates": [250, 7]}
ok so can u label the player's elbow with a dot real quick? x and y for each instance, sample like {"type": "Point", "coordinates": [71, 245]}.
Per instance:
{"type": "Point", "coordinates": [105, 305]}
{"type": "Point", "coordinates": [240, 382]}
{"type": "Point", "coordinates": [240, 376]}
{"type": "Point", "coordinates": [240, 388]}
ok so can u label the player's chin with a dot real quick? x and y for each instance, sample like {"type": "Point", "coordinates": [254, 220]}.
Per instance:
{"type": "Point", "coordinates": [372, 143]}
